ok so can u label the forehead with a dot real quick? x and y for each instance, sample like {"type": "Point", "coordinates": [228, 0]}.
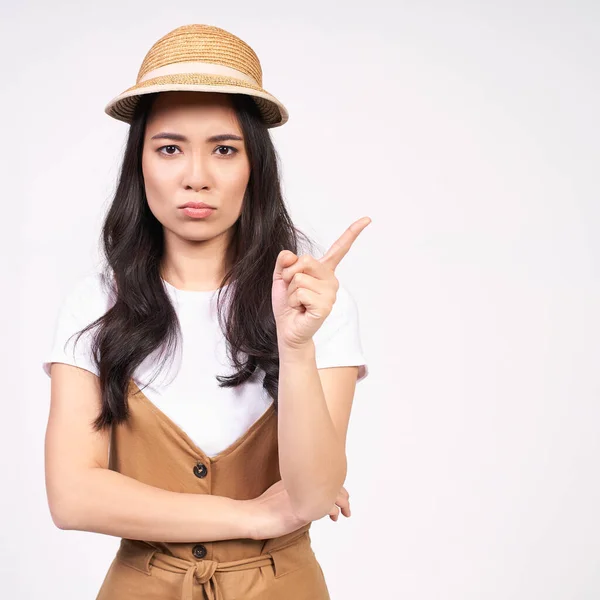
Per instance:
{"type": "Point", "coordinates": [192, 110]}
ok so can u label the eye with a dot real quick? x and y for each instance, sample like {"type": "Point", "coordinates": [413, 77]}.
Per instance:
{"type": "Point", "coordinates": [218, 148]}
{"type": "Point", "coordinates": [235, 150]}
{"type": "Point", "coordinates": [168, 153]}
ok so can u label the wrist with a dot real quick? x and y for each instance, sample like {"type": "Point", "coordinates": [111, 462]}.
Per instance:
{"type": "Point", "coordinates": [248, 519]}
{"type": "Point", "coordinates": [301, 353]}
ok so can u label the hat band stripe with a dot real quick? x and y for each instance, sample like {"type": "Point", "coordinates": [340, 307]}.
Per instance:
{"type": "Point", "coordinates": [202, 68]}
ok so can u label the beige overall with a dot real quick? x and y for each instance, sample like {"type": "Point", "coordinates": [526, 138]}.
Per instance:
{"type": "Point", "coordinates": [151, 448]}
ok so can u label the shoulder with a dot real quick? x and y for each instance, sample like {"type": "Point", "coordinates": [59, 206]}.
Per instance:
{"type": "Point", "coordinates": [343, 313]}
{"type": "Point", "coordinates": [338, 342]}
{"type": "Point", "coordinates": [84, 301]}
{"type": "Point", "coordinates": [89, 294]}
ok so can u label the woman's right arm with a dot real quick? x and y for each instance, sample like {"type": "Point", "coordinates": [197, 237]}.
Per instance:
{"type": "Point", "coordinates": [83, 494]}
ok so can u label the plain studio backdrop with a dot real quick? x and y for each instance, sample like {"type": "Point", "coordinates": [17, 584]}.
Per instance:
{"type": "Point", "coordinates": [468, 132]}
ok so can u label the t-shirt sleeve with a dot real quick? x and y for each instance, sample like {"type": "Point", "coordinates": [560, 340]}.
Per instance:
{"type": "Point", "coordinates": [338, 340]}
{"type": "Point", "coordinates": [80, 306]}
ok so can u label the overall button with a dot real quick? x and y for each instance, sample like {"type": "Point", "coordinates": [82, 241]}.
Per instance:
{"type": "Point", "coordinates": [200, 470]}
{"type": "Point", "coordinates": [199, 551]}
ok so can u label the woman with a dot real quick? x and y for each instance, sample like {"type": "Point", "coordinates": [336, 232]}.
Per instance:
{"type": "Point", "coordinates": [212, 473]}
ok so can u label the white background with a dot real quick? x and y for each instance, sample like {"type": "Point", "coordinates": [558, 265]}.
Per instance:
{"type": "Point", "coordinates": [468, 132]}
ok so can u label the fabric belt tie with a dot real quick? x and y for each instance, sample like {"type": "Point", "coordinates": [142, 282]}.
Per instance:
{"type": "Point", "coordinates": [144, 557]}
{"type": "Point", "coordinates": [203, 572]}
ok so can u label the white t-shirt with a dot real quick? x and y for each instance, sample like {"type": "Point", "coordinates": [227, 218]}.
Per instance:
{"type": "Point", "coordinates": [185, 388]}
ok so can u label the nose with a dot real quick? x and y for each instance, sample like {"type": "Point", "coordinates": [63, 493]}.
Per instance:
{"type": "Point", "coordinates": [198, 174]}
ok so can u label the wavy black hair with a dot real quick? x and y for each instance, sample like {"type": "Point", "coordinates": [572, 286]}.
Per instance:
{"type": "Point", "coordinates": [142, 319]}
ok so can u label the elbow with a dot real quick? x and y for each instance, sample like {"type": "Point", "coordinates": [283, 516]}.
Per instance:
{"type": "Point", "coordinates": [315, 511]}
{"type": "Point", "coordinates": [60, 520]}
{"type": "Point", "coordinates": [62, 513]}
{"type": "Point", "coordinates": [321, 503]}
{"type": "Point", "coordinates": [65, 496]}
{"type": "Point", "coordinates": [61, 524]}
{"type": "Point", "coordinates": [69, 502]}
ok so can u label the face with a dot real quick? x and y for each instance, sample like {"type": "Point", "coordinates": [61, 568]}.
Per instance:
{"type": "Point", "coordinates": [181, 163]}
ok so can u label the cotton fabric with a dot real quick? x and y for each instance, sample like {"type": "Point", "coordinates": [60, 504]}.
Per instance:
{"type": "Point", "coordinates": [184, 386]}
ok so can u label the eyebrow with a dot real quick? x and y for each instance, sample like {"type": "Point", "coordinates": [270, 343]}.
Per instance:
{"type": "Point", "coordinates": [178, 137]}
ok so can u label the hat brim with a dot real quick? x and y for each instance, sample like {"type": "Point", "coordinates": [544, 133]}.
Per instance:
{"type": "Point", "coordinates": [122, 107]}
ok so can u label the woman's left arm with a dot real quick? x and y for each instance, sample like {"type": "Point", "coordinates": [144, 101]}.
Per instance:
{"type": "Point", "coordinates": [313, 405]}
{"type": "Point", "coordinates": [314, 410]}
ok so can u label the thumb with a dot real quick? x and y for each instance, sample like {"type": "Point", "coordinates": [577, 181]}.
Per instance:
{"type": "Point", "coordinates": [286, 258]}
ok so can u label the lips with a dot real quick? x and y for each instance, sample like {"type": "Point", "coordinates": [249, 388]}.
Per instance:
{"type": "Point", "coordinates": [197, 213]}
{"type": "Point", "coordinates": [196, 205]}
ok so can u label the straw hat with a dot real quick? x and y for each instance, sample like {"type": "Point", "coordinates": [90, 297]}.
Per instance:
{"type": "Point", "coordinates": [200, 58]}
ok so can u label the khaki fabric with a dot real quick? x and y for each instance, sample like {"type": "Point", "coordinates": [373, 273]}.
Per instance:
{"type": "Point", "coordinates": [153, 449]}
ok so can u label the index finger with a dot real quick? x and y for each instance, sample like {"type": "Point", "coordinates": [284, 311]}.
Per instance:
{"type": "Point", "coordinates": [340, 247]}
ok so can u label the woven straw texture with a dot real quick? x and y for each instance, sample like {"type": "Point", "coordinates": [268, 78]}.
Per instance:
{"type": "Point", "coordinates": [204, 43]}
{"type": "Point", "coordinates": [200, 43]}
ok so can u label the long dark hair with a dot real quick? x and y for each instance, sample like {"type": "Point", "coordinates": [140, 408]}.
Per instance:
{"type": "Point", "coordinates": [142, 319]}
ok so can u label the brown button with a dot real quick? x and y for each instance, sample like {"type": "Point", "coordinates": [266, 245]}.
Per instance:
{"type": "Point", "coordinates": [199, 551]}
{"type": "Point", "coordinates": [200, 470]}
